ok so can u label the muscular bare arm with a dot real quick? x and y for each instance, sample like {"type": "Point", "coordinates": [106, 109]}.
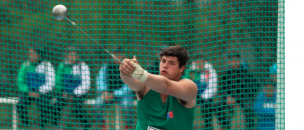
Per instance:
{"type": "Point", "coordinates": [184, 89]}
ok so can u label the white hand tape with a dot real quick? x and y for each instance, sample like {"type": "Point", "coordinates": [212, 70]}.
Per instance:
{"type": "Point", "coordinates": [139, 73]}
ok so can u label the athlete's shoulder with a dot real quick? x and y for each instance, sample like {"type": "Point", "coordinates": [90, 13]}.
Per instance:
{"type": "Point", "coordinates": [188, 83]}
{"type": "Point", "coordinates": [184, 79]}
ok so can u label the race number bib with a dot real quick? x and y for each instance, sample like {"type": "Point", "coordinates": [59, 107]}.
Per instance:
{"type": "Point", "coordinates": [153, 128]}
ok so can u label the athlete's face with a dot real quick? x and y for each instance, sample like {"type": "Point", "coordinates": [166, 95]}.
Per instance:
{"type": "Point", "coordinates": [169, 67]}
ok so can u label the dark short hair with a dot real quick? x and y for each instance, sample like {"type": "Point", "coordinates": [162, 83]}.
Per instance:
{"type": "Point", "coordinates": [177, 51]}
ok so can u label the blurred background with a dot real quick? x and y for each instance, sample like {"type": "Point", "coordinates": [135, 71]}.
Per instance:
{"type": "Point", "coordinates": [217, 33]}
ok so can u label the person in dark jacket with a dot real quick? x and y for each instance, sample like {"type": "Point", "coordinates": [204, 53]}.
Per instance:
{"type": "Point", "coordinates": [266, 103]}
{"type": "Point", "coordinates": [238, 85]}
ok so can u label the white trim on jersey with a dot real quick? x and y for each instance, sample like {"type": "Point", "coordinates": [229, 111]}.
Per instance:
{"type": "Point", "coordinates": [211, 87]}
{"type": "Point", "coordinates": [45, 67]}
{"type": "Point", "coordinates": [83, 70]}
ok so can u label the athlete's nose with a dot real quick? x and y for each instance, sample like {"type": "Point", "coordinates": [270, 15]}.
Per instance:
{"type": "Point", "coordinates": [165, 65]}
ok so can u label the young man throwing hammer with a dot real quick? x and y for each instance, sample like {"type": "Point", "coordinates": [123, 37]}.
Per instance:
{"type": "Point", "coordinates": [166, 101]}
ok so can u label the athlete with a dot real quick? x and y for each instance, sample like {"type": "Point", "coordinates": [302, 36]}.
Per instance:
{"type": "Point", "coordinates": [166, 101]}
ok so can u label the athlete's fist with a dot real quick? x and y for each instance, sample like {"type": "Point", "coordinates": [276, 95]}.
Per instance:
{"type": "Point", "coordinates": [133, 69]}
{"type": "Point", "coordinates": [127, 66]}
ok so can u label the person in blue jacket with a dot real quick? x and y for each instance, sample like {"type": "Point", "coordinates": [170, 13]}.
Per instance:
{"type": "Point", "coordinates": [265, 104]}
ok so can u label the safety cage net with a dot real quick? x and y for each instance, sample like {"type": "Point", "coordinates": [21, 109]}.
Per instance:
{"type": "Point", "coordinates": [61, 74]}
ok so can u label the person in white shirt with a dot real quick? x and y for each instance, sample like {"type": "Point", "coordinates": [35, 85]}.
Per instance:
{"type": "Point", "coordinates": [72, 83]}
{"type": "Point", "coordinates": [208, 77]}
{"type": "Point", "coordinates": [205, 76]}
{"type": "Point", "coordinates": [111, 89]}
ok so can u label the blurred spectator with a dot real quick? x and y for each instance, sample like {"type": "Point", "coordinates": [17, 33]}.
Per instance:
{"type": "Point", "coordinates": [194, 73]}
{"type": "Point", "coordinates": [111, 89]}
{"type": "Point", "coordinates": [273, 74]}
{"type": "Point", "coordinates": [265, 108]}
{"type": "Point", "coordinates": [240, 86]}
{"type": "Point", "coordinates": [203, 74]}
{"type": "Point", "coordinates": [36, 79]}
{"type": "Point", "coordinates": [72, 83]}
{"type": "Point", "coordinates": [265, 104]}
{"type": "Point", "coordinates": [154, 68]}
{"type": "Point", "coordinates": [208, 77]}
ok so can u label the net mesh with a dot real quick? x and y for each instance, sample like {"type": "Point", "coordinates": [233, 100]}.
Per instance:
{"type": "Point", "coordinates": [54, 76]}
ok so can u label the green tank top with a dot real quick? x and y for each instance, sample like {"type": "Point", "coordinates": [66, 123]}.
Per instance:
{"type": "Point", "coordinates": [151, 111]}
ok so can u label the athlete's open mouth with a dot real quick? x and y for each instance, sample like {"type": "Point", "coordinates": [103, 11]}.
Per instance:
{"type": "Point", "coordinates": [164, 71]}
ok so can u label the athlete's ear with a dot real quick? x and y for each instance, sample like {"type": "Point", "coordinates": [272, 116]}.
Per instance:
{"type": "Point", "coordinates": [181, 69]}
